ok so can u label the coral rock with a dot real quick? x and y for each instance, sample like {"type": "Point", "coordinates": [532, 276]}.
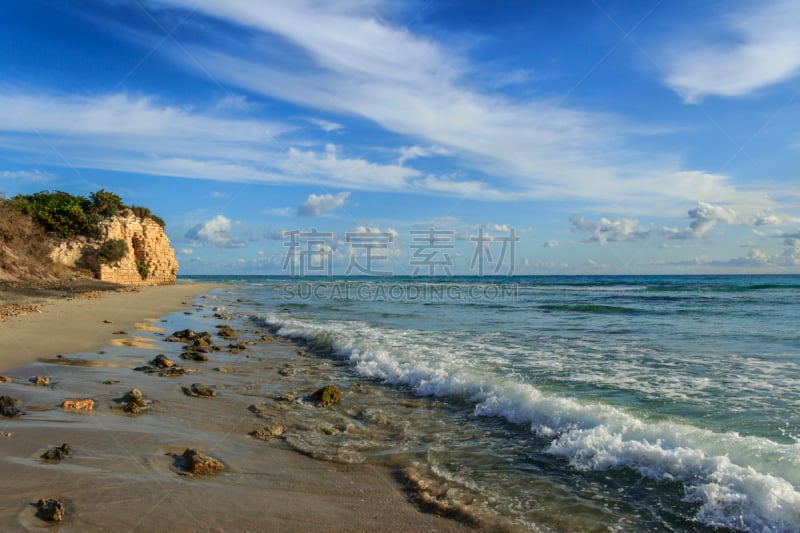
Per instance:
{"type": "Point", "coordinates": [199, 463]}
{"type": "Point", "coordinates": [41, 381]}
{"type": "Point", "coordinates": [327, 395]}
{"type": "Point", "coordinates": [78, 405]}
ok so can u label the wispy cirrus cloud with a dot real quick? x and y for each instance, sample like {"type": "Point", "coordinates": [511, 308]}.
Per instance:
{"type": "Point", "coordinates": [765, 51]}
{"type": "Point", "coordinates": [357, 64]}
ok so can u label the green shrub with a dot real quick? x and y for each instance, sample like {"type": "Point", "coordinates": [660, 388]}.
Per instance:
{"type": "Point", "coordinates": [112, 251]}
{"type": "Point", "coordinates": [145, 213]}
{"type": "Point", "coordinates": [143, 269]}
{"type": "Point", "coordinates": [106, 204]}
{"type": "Point", "coordinates": [60, 212]}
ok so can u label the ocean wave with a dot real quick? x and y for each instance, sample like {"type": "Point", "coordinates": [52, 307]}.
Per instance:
{"type": "Point", "coordinates": [740, 482]}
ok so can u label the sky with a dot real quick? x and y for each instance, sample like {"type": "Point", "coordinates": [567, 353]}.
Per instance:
{"type": "Point", "coordinates": [445, 137]}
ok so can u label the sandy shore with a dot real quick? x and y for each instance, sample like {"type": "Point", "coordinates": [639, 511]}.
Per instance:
{"type": "Point", "coordinates": [121, 474]}
{"type": "Point", "coordinates": [82, 322]}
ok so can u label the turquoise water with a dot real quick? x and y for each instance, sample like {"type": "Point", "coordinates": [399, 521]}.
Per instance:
{"type": "Point", "coordinates": [579, 403]}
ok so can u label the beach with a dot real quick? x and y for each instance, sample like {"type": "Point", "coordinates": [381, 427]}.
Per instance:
{"type": "Point", "coordinates": [124, 471]}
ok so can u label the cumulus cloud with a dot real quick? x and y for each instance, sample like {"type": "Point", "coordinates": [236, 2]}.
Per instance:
{"type": "Point", "coordinates": [760, 46]}
{"type": "Point", "coordinates": [703, 218]}
{"type": "Point", "coordinates": [551, 244]}
{"type": "Point", "coordinates": [319, 204]}
{"type": "Point", "coordinates": [612, 229]}
{"type": "Point", "coordinates": [766, 219]}
{"type": "Point", "coordinates": [215, 232]}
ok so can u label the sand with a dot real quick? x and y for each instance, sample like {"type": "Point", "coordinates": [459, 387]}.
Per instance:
{"type": "Point", "coordinates": [121, 475]}
{"type": "Point", "coordinates": [86, 321]}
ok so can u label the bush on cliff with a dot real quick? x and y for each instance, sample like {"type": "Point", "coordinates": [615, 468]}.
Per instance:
{"type": "Point", "coordinates": [112, 251]}
{"type": "Point", "coordinates": [68, 215]}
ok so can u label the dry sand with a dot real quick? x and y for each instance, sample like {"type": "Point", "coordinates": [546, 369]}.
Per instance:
{"type": "Point", "coordinates": [119, 476]}
{"type": "Point", "coordinates": [84, 322]}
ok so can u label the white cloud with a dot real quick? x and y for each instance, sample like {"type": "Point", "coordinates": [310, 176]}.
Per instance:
{"type": "Point", "coordinates": [410, 85]}
{"type": "Point", "coordinates": [215, 232]}
{"type": "Point", "coordinates": [185, 251]}
{"type": "Point", "coordinates": [30, 176]}
{"type": "Point", "coordinates": [611, 229]}
{"type": "Point", "coordinates": [415, 151]}
{"type": "Point", "coordinates": [319, 204]}
{"type": "Point", "coordinates": [325, 125]}
{"type": "Point", "coordinates": [328, 166]}
{"type": "Point", "coordinates": [760, 46]}
{"type": "Point", "coordinates": [703, 218]}
{"type": "Point", "coordinates": [766, 219]}
{"type": "Point", "coordinates": [501, 227]}
{"type": "Point", "coordinates": [551, 244]}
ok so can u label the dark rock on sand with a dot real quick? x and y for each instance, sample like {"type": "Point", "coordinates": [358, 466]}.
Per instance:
{"type": "Point", "coordinates": [168, 372]}
{"type": "Point", "coordinates": [133, 402]}
{"type": "Point", "coordinates": [226, 331]}
{"type": "Point", "coordinates": [326, 396]}
{"type": "Point", "coordinates": [40, 381]}
{"type": "Point", "coordinates": [162, 361]}
{"type": "Point", "coordinates": [198, 389]}
{"type": "Point", "coordinates": [58, 453]}
{"type": "Point", "coordinates": [194, 356]}
{"type": "Point", "coordinates": [9, 406]}
{"type": "Point", "coordinates": [50, 510]}
{"type": "Point", "coordinates": [110, 382]}
{"type": "Point", "coordinates": [200, 463]}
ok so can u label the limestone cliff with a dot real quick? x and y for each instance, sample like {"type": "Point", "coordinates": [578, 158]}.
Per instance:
{"type": "Point", "coordinates": [149, 259]}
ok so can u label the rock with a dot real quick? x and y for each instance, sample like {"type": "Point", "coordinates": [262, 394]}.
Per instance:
{"type": "Point", "coordinates": [287, 371]}
{"type": "Point", "coordinates": [51, 510]}
{"type": "Point", "coordinates": [176, 371]}
{"type": "Point", "coordinates": [40, 381]}
{"type": "Point", "coordinates": [110, 382]}
{"type": "Point", "coordinates": [5, 379]}
{"type": "Point", "coordinates": [226, 331]}
{"type": "Point", "coordinates": [225, 370]}
{"type": "Point", "coordinates": [9, 406]}
{"type": "Point", "coordinates": [120, 332]}
{"type": "Point", "coordinates": [133, 402]}
{"type": "Point", "coordinates": [162, 361]}
{"type": "Point", "coordinates": [184, 335]}
{"type": "Point", "coordinates": [194, 356]}
{"type": "Point", "coordinates": [58, 453]}
{"type": "Point", "coordinates": [107, 322]}
{"type": "Point", "coordinates": [326, 396]}
{"type": "Point", "coordinates": [268, 432]}
{"type": "Point", "coordinates": [199, 463]}
{"type": "Point", "coordinates": [198, 389]}
{"type": "Point", "coordinates": [78, 405]}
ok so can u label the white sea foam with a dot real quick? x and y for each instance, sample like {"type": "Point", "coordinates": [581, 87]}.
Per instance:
{"type": "Point", "coordinates": [742, 482]}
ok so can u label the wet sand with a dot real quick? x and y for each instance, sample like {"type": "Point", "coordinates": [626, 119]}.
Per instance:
{"type": "Point", "coordinates": [121, 474]}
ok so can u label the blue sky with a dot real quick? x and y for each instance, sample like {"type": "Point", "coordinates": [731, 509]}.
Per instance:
{"type": "Point", "coordinates": [608, 137]}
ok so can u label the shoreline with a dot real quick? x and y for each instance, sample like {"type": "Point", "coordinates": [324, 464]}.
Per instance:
{"type": "Point", "coordinates": [121, 472]}
{"type": "Point", "coordinates": [59, 322]}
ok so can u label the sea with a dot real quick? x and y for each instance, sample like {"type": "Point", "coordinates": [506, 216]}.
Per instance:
{"type": "Point", "coordinates": [560, 403]}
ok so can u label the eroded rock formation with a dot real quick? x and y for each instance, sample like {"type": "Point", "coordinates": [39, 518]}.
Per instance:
{"type": "Point", "coordinates": [150, 259]}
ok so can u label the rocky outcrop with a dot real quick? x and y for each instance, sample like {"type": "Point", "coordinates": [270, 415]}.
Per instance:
{"type": "Point", "coordinates": [150, 259]}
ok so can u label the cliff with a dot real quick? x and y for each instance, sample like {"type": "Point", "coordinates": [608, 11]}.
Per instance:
{"type": "Point", "coordinates": [148, 258]}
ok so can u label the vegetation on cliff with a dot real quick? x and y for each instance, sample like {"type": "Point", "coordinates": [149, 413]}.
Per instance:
{"type": "Point", "coordinates": [32, 224]}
